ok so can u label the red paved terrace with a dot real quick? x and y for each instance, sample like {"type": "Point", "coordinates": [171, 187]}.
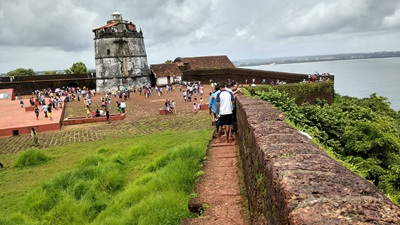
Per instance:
{"type": "Point", "coordinates": [15, 120]}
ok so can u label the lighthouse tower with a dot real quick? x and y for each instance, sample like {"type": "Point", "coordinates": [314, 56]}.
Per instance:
{"type": "Point", "coordinates": [121, 60]}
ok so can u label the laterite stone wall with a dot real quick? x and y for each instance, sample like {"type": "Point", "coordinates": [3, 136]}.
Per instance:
{"type": "Point", "coordinates": [290, 180]}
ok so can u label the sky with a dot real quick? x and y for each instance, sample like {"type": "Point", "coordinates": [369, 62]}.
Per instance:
{"type": "Point", "coordinates": [51, 35]}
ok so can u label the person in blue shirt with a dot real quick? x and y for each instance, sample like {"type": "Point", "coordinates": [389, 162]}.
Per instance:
{"type": "Point", "coordinates": [212, 104]}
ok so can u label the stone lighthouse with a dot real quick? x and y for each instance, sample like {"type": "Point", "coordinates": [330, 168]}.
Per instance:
{"type": "Point", "coordinates": [121, 60]}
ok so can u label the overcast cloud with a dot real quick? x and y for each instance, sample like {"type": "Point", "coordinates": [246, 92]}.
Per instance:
{"type": "Point", "coordinates": [54, 34]}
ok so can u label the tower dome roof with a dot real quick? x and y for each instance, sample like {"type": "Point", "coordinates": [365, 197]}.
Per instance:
{"type": "Point", "coordinates": [116, 15]}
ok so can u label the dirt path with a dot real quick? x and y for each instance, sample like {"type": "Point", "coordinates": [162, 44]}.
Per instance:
{"type": "Point", "coordinates": [219, 200]}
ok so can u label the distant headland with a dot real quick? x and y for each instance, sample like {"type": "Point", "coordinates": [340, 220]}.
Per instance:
{"type": "Point", "coordinates": [316, 58]}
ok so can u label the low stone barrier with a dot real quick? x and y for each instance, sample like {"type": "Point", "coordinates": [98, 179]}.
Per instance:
{"type": "Point", "coordinates": [204, 106]}
{"type": "Point", "coordinates": [162, 111]}
{"type": "Point", "coordinates": [290, 180]}
{"type": "Point", "coordinates": [80, 120]}
{"type": "Point", "coordinates": [29, 108]}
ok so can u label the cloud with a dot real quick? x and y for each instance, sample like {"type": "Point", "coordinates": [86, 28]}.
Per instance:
{"type": "Point", "coordinates": [338, 17]}
{"type": "Point", "coordinates": [392, 21]}
{"type": "Point", "coordinates": [46, 34]}
{"type": "Point", "coordinates": [31, 23]}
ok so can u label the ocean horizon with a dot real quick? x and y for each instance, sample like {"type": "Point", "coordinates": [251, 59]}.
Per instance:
{"type": "Point", "coordinates": [358, 78]}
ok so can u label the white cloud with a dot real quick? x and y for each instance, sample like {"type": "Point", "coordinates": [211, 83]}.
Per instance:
{"type": "Point", "coordinates": [47, 34]}
{"type": "Point", "coordinates": [392, 21]}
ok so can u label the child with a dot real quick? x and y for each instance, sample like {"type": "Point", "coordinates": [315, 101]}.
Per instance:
{"type": "Point", "coordinates": [88, 112]}
{"type": "Point", "coordinates": [195, 107]}
{"type": "Point", "coordinates": [118, 108]}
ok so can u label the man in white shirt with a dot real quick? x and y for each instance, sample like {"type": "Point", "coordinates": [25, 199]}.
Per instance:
{"type": "Point", "coordinates": [123, 106]}
{"type": "Point", "coordinates": [225, 100]}
{"type": "Point", "coordinates": [45, 109]}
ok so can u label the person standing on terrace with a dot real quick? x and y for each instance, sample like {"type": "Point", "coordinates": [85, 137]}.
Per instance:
{"type": "Point", "coordinates": [174, 106]}
{"type": "Point", "coordinates": [88, 114]}
{"type": "Point", "coordinates": [44, 109]}
{"type": "Point", "coordinates": [49, 112]}
{"type": "Point", "coordinates": [36, 110]}
{"type": "Point", "coordinates": [108, 115]}
{"type": "Point", "coordinates": [123, 106]}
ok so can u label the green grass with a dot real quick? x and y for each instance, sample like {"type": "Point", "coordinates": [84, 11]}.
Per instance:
{"type": "Point", "coordinates": [137, 180]}
{"type": "Point", "coordinates": [31, 158]}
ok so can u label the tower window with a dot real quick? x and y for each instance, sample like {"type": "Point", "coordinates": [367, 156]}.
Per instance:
{"type": "Point", "coordinates": [108, 52]}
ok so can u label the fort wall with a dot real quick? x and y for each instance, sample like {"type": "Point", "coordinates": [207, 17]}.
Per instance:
{"type": "Point", "coordinates": [290, 180]}
{"type": "Point", "coordinates": [28, 84]}
{"type": "Point", "coordinates": [240, 75]}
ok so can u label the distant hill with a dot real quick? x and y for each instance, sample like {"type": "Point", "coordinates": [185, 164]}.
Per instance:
{"type": "Point", "coordinates": [315, 58]}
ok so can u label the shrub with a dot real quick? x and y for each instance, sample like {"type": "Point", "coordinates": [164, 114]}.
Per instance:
{"type": "Point", "coordinates": [92, 160]}
{"type": "Point", "coordinates": [31, 158]}
{"type": "Point", "coordinates": [363, 134]}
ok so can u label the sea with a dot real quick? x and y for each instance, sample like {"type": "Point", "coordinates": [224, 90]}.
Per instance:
{"type": "Point", "coordinates": [356, 78]}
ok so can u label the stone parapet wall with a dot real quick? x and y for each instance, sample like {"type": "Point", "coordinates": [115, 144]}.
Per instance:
{"type": "Point", "coordinates": [240, 75]}
{"type": "Point", "coordinates": [290, 180]}
{"type": "Point", "coordinates": [94, 119]}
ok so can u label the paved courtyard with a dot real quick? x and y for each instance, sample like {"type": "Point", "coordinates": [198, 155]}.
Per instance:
{"type": "Point", "coordinates": [142, 117]}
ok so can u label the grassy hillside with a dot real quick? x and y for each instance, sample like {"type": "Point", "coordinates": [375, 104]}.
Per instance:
{"type": "Point", "coordinates": [142, 180]}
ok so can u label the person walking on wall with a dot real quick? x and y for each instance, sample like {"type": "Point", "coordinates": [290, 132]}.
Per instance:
{"type": "Point", "coordinates": [212, 105]}
{"type": "Point", "coordinates": [225, 100]}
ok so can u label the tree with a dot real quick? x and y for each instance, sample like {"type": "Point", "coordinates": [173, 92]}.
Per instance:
{"type": "Point", "coordinates": [168, 61]}
{"type": "Point", "coordinates": [78, 68]}
{"type": "Point", "coordinates": [50, 72]}
{"type": "Point", "coordinates": [21, 72]}
{"type": "Point", "coordinates": [67, 71]}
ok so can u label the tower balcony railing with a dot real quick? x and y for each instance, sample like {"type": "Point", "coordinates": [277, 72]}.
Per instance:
{"type": "Point", "coordinates": [127, 34]}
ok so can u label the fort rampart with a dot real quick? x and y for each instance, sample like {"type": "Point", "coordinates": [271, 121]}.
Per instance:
{"type": "Point", "coordinates": [290, 180]}
{"type": "Point", "coordinates": [240, 75]}
{"type": "Point", "coordinates": [25, 85]}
